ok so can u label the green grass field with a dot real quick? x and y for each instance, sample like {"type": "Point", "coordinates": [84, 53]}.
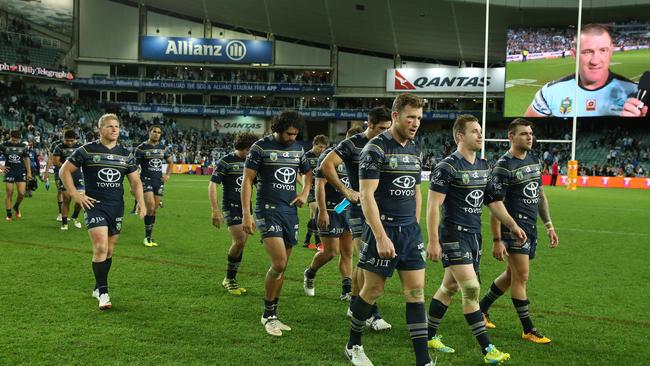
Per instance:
{"type": "Point", "coordinates": [523, 79]}
{"type": "Point", "coordinates": [590, 295]}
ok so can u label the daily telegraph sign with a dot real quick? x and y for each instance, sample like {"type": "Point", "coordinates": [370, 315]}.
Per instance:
{"type": "Point", "coordinates": [465, 79]}
{"type": "Point", "coordinates": [221, 51]}
{"type": "Point", "coordinates": [35, 71]}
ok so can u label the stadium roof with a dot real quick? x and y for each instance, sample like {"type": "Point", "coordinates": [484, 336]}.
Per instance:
{"type": "Point", "coordinates": [446, 31]}
{"type": "Point", "coordinates": [440, 30]}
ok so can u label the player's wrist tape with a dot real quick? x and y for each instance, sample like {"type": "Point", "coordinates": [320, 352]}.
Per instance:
{"type": "Point", "coordinates": [549, 224]}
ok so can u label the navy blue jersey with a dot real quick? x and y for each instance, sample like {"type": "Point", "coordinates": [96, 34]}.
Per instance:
{"type": "Point", "coordinates": [229, 172]}
{"type": "Point", "coordinates": [332, 196]}
{"type": "Point", "coordinates": [349, 150]}
{"type": "Point", "coordinates": [151, 158]}
{"type": "Point", "coordinates": [53, 146]}
{"type": "Point", "coordinates": [64, 151]}
{"type": "Point", "coordinates": [312, 159]}
{"type": "Point", "coordinates": [517, 183]}
{"type": "Point", "coordinates": [277, 167]}
{"type": "Point", "coordinates": [104, 170]}
{"type": "Point", "coordinates": [398, 169]}
{"type": "Point", "coordinates": [464, 186]}
{"type": "Point", "coordinates": [14, 155]}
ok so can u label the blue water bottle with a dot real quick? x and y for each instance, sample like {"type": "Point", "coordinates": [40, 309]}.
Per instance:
{"type": "Point", "coordinates": [342, 205]}
{"type": "Point", "coordinates": [47, 184]}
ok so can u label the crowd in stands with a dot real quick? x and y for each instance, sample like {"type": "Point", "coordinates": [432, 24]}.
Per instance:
{"type": "Point", "coordinates": [537, 40]}
{"type": "Point", "coordinates": [626, 154]}
{"type": "Point", "coordinates": [41, 114]}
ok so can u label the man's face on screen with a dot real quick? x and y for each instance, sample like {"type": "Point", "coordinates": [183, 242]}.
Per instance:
{"type": "Point", "coordinates": [595, 54]}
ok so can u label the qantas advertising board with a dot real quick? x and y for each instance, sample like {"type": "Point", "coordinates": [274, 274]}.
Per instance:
{"type": "Point", "coordinates": [466, 79]}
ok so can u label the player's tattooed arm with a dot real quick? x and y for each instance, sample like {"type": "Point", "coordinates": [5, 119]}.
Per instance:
{"type": "Point", "coordinates": [545, 215]}
{"type": "Point", "coordinates": [544, 212]}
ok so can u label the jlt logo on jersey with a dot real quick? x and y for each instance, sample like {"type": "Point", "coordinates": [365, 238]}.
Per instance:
{"type": "Point", "coordinates": [109, 177]}
{"type": "Point", "coordinates": [531, 191]}
{"type": "Point", "coordinates": [406, 184]}
{"type": "Point", "coordinates": [475, 200]}
{"type": "Point", "coordinates": [286, 176]}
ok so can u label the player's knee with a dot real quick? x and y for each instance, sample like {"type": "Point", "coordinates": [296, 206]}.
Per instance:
{"type": "Point", "coordinates": [151, 210]}
{"type": "Point", "coordinates": [274, 273]}
{"type": "Point", "coordinates": [471, 290]}
{"type": "Point", "coordinates": [520, 276]}
{"type": "Point", "coordinates": [279, 266]}
{"type": "Point", "coordinates": [414, 294]}
{"type": "Point", "coordinates": [238, 244]}
{"type": "Point", "coordinates": [448, 292]}
{"type": "Point", "coordinates": [373, 291]}
{"type": "Point", "coordinates": [332, 250]}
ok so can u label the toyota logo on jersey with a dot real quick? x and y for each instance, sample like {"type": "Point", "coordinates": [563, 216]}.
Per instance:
{"type": "Point", "coordinates": [531, 190]}
{"type": "Point", "coordinates": [109, 177]}
{"type": "Point", "coordinates": [475, 200]}
{"type": "Point", "coordinates": [13, 158]}
{"type": "Point", "coordinates": [285, 176]}
{"type": "Point", "coordinates": [406, 184]}
{"type": "Point", "coordinates": [156, 164]}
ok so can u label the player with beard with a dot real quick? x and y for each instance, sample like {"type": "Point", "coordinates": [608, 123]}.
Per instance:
{"type": "Point", "coordinates": [516, 182]}
{"type": "Point", "coordinates": [275, 161]}
{"type": "Point", "coordinates": [150, 156]}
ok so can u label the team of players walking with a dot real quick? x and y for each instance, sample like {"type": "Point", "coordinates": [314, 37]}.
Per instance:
{"type": "Point", "coordinates": [378, 172]}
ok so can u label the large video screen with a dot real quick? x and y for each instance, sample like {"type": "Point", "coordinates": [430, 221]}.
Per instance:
{"type": "Point", "coordinates": [614, 65]}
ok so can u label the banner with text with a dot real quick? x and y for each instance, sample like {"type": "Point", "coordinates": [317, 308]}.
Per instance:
{"type": "Point", "coordinates": [603, 182]}
{"type": "Point", "coordinates": [222, 51]}
{"type": "Point", "coordinates": [152, 84]}
{"type": "Point", "coordinates": [35, 71]}
{"type": "Point", "coordinates": [237, 124]}
{"type": "Point", "coordinates": [311, 113]}
{"type": "Point", "coordinates": [467, 79]}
